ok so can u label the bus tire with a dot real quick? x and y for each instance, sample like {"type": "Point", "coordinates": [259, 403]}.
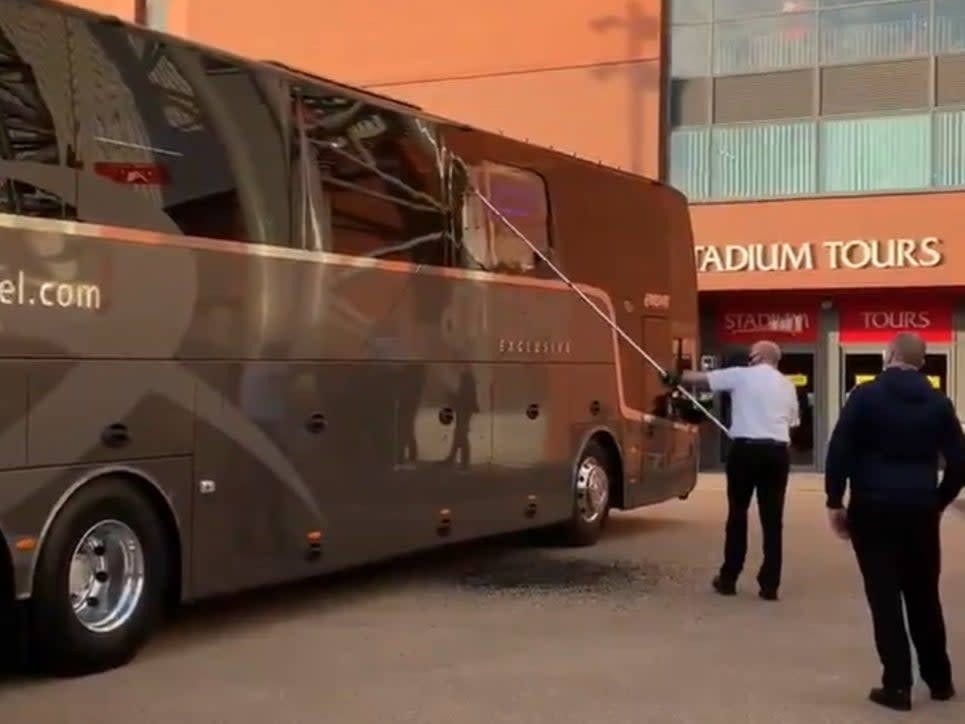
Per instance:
{"type": "Point", "coordinates": [100, 582]}
{"type": "Point", "coordinates": [592, 489]}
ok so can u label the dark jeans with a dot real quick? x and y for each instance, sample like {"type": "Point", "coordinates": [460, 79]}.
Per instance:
{"type": "Point", "coordinates": [763, 468]}
{"type": "Point", "coordinates": [899, 554]}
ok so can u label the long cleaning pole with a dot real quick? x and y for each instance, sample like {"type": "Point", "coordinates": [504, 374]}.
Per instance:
{"type": "Point", "coordinates": [595, 307]}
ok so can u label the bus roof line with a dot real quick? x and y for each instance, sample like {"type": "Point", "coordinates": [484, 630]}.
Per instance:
{"type": "Point", "coordinates": [328, 81]}
{"type": "Point", "coordinates": [364, 94]}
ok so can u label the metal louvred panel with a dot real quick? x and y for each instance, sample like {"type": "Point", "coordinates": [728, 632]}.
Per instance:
{"type": "Point", "coordinates": [950, 80]}
{"type": "Point", "coordinates": [755, 161]}
{"type": "Point", "coordinates": [764, 97]}
{"type": "Point", "coordinates": [872, 87]}
{"type": "Point", "coordinates": [875, 154]}
{"type": "Point", "coordinates": [949, 148]}
{"type": "Point", "coordinates": [690, 101]}
{"type": "Point", "coordinates": [690, 161]}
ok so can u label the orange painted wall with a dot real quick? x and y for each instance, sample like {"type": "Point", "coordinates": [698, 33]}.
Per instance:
{"type": "Point", "coordinates": [177, 11]}
{"type": "Point", "coordinates": [579, 75]}
{"type": "Point", "coordinates": [881, 218]}
{"type": "Point", "coordinates": [123, 9]}
{"type": "Point", "coordinates": [582, 76]}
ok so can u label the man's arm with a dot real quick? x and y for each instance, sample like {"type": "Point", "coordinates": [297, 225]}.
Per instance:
{"type": "Point", "coordinates": [840, 458]}
{"type": "Point", "coordinates": [953, 450]}
{"type": "Point", "coordinates": [724, 380]}
{"type": "Point", "coordinates": [693, 377]}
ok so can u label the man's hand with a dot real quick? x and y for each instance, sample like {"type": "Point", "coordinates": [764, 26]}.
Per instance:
{"type": "Point", "coordinates": [838, 520]}
{"type": "Point", "coordinates": [670, 379]}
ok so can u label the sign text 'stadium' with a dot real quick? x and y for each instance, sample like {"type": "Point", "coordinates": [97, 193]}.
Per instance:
{"type": "Point", "coordinates": [809, 256]}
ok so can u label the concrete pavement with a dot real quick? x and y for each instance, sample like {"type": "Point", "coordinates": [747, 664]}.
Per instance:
{"type": "Point", "coordinates": [624, 632]}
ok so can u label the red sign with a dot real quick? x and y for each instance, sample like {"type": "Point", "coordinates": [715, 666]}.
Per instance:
{"type": "Point", "coordinates": [790, 324]}
{"type": "Point", "coordinates": [137, 174]}
{"type": "Point", "coordinates": [877, 321]}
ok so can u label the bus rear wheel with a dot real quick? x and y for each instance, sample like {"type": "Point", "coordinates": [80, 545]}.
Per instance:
{"type": "Point", "coordinates": [99, 586]}
{"type": "Point", "coordinates": [591, 497]}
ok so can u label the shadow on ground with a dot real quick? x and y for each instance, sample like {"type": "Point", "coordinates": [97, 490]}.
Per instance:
{"type": "Point", "coordinates": [516, 565]}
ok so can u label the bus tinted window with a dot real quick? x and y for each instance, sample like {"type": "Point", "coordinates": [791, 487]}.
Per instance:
{"type": "Point", "coordinates": [36, 122]}
{"type": "Point", "coordinates": [172, 139]}
{"type": "Point", "coordinates": [368, 184]}
{"type": "Point", "coordinates": [520, 196]}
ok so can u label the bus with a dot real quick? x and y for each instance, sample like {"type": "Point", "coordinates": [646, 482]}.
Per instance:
{"type": "Point", "coordinates": [258, 326]}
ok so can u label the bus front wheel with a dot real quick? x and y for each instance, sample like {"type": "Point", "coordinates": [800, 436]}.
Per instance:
{"type": "Point", "coordinates": [99, 586]}
{"type": "Point", "coordinates": [591, 487]}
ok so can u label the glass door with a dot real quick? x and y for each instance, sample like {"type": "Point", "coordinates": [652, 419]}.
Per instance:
{"type": "Point", "coordinates": [799, 369]}
{"type": "Point", "coordinates": [861, 367]}
{"type": "Point", "coordinates": [936, 367]}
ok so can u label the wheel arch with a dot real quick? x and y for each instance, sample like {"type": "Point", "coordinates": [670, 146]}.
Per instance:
{"type": "Point", "coordinates": [154, 494]}
{"type": "Point", "coordinates": [605, 438]}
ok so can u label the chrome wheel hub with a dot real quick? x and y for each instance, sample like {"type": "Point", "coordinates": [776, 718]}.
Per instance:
{"type": "Point", "coordinates": [592, 490]}
{"type": "Point", "coordinates": [106, 576]}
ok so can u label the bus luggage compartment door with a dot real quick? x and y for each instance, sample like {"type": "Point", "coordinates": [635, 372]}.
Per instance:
{"type": "Point", "coordinates": [254, 508]}
{"type": "Point", "coordinates": [87, 411]}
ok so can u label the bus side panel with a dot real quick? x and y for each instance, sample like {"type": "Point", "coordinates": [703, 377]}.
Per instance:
{"type": "Point", "coordinates": [118, 410]}
{"type": "Point", "coordinates": [377, 355]}
{"type": "Point", "coordinates": [13, 414]}
{"type": "Point", "coordinates": [525, 461]}
{"type": "Point", "coordinates": [296, 449]}
{"type": "Point", "coordinates": [553, 359]}
{"type": "Point", "coordinates": [250, 526]}
{"type": "Point", "coordinates": [29, 497]}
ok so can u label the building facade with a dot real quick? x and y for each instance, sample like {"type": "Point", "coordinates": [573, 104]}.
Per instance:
{"type": "Point", "coordinates": [822, 145]}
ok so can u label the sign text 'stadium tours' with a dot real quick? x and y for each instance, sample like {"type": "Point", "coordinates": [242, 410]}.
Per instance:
{"type": "Point", "coordinates": [897, 253]}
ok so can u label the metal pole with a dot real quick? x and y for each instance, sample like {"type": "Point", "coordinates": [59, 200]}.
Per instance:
{"type": "Point", "coordinates": [566, 280]}
{"type": "Point", "coordinates": [595, 307]}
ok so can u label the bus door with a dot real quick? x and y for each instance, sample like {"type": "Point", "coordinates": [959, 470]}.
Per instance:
{"type": "Point", "coordinates": [656, 473]}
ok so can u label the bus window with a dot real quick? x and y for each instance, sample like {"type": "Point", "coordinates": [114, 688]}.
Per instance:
{"type": "Point", "coordinates": [487, 241]}
{"type": "Point", "coordinates": [173, 139]}
{"type": "Point", "coordinates": [368, 183]}
{"type": "Point", "coordinates": [36, 129]}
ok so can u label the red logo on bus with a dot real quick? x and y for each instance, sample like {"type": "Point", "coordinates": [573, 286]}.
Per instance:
{"type": "Point", "coordinates": [135, 174]}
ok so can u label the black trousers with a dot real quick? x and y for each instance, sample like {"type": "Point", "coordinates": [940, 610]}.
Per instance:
{"type": "Point", "coordinates": [761, 467]}
{"type": "Point", "coordinates": [899, 553]}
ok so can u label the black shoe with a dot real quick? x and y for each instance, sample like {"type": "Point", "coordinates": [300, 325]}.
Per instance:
{"type": "Point", "coordinates": [943, 693]}
{"type": "Point", "coordinates": [724, 588]}
{"type": "Point", "coordinates": [897, 699]}
{"type": "Point", "coordinates": [768, 594]}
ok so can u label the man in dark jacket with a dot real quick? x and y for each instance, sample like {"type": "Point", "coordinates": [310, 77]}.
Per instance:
{"type": "Point", "coordinates": [887, 444]}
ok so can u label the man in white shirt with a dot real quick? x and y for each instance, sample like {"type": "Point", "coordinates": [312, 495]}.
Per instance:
{"type": "Point", "coordinates": [764, 408]}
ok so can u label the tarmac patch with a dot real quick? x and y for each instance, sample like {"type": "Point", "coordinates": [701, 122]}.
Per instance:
{"type": "Point", "coordinates": [540, 574]}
